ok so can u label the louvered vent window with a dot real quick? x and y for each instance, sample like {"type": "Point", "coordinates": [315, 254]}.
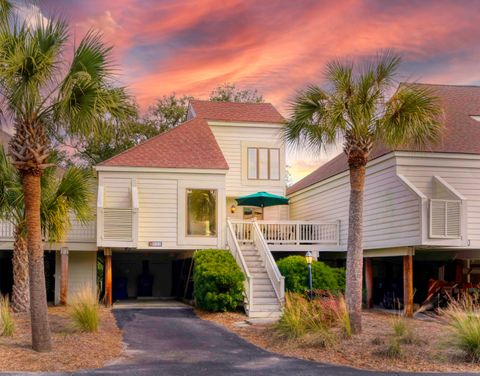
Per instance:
{"type": "Point", "coordinates": [445, 219]}
{"type": "Point", "coordinates": [118, 224]}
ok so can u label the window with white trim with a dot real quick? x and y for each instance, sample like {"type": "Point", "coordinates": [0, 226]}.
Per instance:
{"type": "Point", "coordinates": [263, 164]}
{"type": "Point", "coordinates": [201, 212]}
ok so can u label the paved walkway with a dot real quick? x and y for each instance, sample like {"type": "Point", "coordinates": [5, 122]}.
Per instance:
{"type": "Point", "coordinates": [174, 342]}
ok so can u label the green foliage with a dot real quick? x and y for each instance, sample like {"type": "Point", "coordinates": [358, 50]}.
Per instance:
{"type": "Point", "coordinates": [167, 112]}
{"type": "Point", "coordinates": [84, 310]}
{"type": "Point", "coordinates": [218, 280]}
{"type": "Point", "coordinates": [464, 320]}
{"type": "Point", "coordinates": [357, 104]}
{"type": "Point", "coordinates": [7, 327]}
{"type": "Point", "coordinates": [63, 192]}
{"type": "Point", "coordinates": [295, 271]}
{"type": "Point", "coordinates": [113, 136]}
{"type": "Point", "coordinates": [228, 92]}
{"type": "Point", "coordinates": [311, 321]}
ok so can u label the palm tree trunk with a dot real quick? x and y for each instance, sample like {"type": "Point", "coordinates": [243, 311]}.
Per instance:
{"type": "Point", "coordinates": [20, 290]}
{"type": "Point", "coordinates": [38, 296]}
{"type": "Point", "coordinates": [353, 293]}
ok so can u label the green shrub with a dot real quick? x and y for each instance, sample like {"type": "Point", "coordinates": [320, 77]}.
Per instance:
{"type": "Point", "coordinates": [218, 280]}
{"type": "Point", "coordinates": [84, 310]}
{"type": "Point", "coordinates": [7, 326]}
{"type": "Point", "coordinates": [324, 277]}
{"type": "Point", "coordinates": [464, 320]}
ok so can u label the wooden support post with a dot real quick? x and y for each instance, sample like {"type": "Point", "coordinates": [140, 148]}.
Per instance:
{"type": "Point", "coordinates": [64, 276]}
{"type": "Point", "coordinates": [408, 285]}
{"type": "Point", "coordinates": [459, 271]}
{"type": "Point", "coordinates": [107, 252]}
{"type": "Point", "coordinates": [369, 281]}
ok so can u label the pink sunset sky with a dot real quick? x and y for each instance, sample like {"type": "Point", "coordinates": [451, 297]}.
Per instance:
{"type": "Point", "coordinates": [277, 47]}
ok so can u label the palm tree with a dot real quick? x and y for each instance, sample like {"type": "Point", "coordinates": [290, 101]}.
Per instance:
{"type": "Point", "coordinates": [41, 93]}
{"type": "Point", "coordinates": [363, 107]}
{"type": "Point", "coordinates": [61, 196]}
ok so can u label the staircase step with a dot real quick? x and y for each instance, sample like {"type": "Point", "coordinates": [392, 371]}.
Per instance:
{"type": "Point", "coordinates": [262, 274]}
{"type": "Point", "coordinates": [251, 265]}
{"type": "Point", "coordinates": [266, 308]}
{"type": "Point", "coordinates": [249, 253]}
{"type": "Point", "coordinates": [253, 258]}
{"type": "Point", "coordinates": [262, 281]}
{"type": "Point", "coordinates": [257, 269]}
{"type": "Point", "coordinates": [264, 294]}
{"type": "Point", "coordinates": [265, 301]}
{"type": "Point", "coordinates": [272, 315]}
{"type": "Point", "coordinates": [263, 288]}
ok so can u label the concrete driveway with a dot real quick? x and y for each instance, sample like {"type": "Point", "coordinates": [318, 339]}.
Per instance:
{"type": "Point", "coordinates": [174, 342]}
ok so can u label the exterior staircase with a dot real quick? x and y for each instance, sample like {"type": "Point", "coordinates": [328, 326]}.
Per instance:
{"type": "Point", "coordinates": [265, 301]}
{"type": "Point", "coordinates": [264, 285]}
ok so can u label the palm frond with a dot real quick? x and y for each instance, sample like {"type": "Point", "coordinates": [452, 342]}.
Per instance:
{"type": "Point", "coordinates": [70, 195]}
{"type": "Point", "coordinates": [308, 124]}
{"type": "Point", "coordinates": [413, 117]}
{"type": "Point", "coordinates": [11, 194]}
{"type": "Point", "coordinates": [29, 56]}
{"type": "Point", "coordinates": [86, 96]}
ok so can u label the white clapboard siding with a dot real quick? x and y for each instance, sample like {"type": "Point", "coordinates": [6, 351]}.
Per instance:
{"type": "Point", "coordinates": [158, 204]}
{"type": "Point", "coordinates": [157, 213]}
{"type": "Point", "coordinates": [392, 215]}
{"type": "Point", "coordinates": [117, 191]}
{"type": "Point", "coordinates": [462, 172]}
{"type": "Point", "coordinates": [230, 138]}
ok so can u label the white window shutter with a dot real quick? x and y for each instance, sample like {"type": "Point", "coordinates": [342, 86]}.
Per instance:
{"type": "Point", "coordinates": [437, 218]}
{"type": "Point", "coordinates": [445, 219]}
{"type": "Point", "coordinates": [453, 211]}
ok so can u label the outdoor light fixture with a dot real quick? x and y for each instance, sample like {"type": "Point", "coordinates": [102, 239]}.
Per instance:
{"type": "Point", "coordinates": [232, 209]}
{"type": "Point", "coordinates": [309, 258]}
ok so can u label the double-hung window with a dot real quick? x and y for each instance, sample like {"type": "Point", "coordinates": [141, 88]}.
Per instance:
{"type": "Point", "coordinates": [263, 163]}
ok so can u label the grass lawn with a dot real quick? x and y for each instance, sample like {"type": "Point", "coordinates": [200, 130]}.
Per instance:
{"type": "Point", "coordinates": [71, 350]}
{"type": "Point", "coordinates": [429, 351]}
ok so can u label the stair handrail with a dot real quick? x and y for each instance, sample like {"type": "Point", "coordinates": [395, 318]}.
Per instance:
{"type": "Point", "coordinates": [278, 280]}
{"type": "Point", "coordinates": [236, 251]}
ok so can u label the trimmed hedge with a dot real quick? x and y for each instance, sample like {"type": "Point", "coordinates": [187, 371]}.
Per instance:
{"type": "Point", "coordinates": [218, 280]}
{"type": "Point", "coordinates": [324, 277]}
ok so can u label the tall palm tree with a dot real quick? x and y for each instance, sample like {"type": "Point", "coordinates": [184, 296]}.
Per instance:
{"type": "Point", "coordinates": [70, 193]}
{"type": "Point", "coordinates": [362, 107]}
{"type": "Point", "coordinates": [41, 92]}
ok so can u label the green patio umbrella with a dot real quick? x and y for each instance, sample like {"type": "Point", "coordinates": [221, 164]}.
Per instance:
{"type": "Point", "coordinates": [262, 199]}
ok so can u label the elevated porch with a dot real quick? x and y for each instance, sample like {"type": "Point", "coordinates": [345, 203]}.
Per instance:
{"type": "Point", "coordinates": [291, 236]}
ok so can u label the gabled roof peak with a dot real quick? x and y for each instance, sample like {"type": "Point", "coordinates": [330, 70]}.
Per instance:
{"type": "Point", "coordinates": [236, 111]}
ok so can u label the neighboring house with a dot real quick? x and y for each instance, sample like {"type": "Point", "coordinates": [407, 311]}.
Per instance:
{"type": "Point", "coordinates": [422, 207]}
{"type": "Point", "coordinates": [175, 193]}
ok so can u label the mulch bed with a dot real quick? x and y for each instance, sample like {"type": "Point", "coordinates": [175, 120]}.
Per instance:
{"type": "Point", "coordinates": [431, 350]}
{"type": "Point", "coordinates": [71, 350]}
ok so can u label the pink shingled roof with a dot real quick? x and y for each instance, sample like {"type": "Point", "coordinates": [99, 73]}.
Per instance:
{"type": "Point", "coordinates": [237, 112]}
{"type": "Point", "coordinates": [190, 145]}
{"type": "Point", "coordinates": [462, 133]}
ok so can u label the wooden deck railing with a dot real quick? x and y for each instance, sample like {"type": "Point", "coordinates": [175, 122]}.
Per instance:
{"type": "Point", "coordinates": [79, 232]}
{"type": "Point", "coordinates": [290, 232]}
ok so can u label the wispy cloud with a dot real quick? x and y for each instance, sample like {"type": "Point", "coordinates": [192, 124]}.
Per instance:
{"type": "Point", "coordinates": [276, 46]}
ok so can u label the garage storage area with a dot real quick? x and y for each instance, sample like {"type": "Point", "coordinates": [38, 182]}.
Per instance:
{"type": "Point", "coordinates": [149, 275]}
